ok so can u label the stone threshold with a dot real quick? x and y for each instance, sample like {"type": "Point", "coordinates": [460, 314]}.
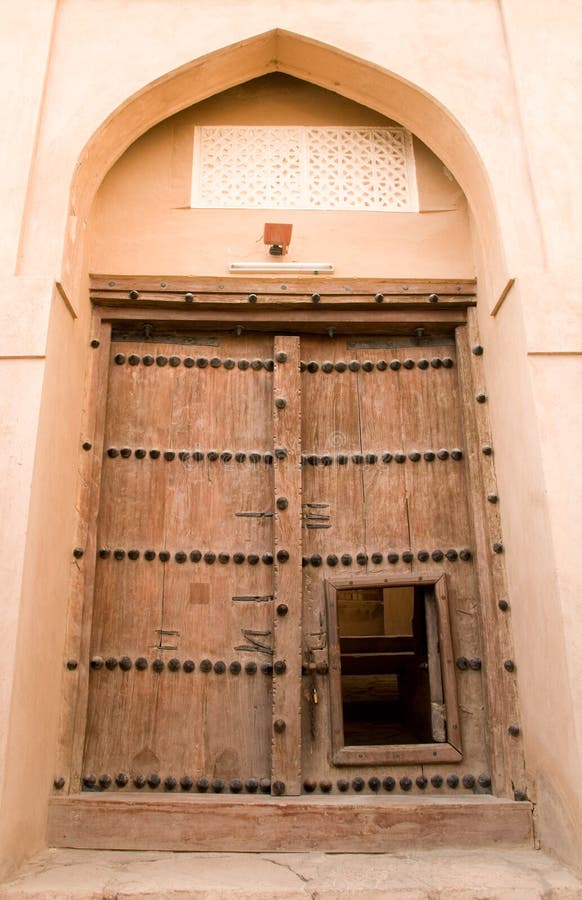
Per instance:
{"type": "Point", "coordinates": [450, 874]}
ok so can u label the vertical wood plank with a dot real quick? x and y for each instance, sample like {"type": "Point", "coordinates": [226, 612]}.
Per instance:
{"type": "Point", "coordinates": [507, 765]}
{"type": "Point", "coordinates": [437, 706]}
{"type": "Point", "coordinates": [286, 746]}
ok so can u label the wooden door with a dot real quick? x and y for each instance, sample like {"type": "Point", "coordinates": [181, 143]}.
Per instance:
{"type": "Point", "coordinates": [244, 477]}
{"type": "Point", "coordinates": [193, 553]}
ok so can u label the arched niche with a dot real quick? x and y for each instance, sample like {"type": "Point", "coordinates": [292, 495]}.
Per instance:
{"type": "Point", "coordinates": [306, 59]}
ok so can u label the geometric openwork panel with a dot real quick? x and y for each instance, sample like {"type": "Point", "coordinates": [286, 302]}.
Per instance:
{"type": "Point", "coordinates": [295, 167]}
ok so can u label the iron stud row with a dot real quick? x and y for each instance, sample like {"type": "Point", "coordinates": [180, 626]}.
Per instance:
{"type": "Point", "coordinates": [188, 665]}
{"type": "Point", "coordinates": [342, 459]}
{"type": "Point", "coordinates": [381, 365]}
{"type": "Point", "coordinates": [346, 559]}
{"type": "Point", "coordinates": [190, 362]}
{"type": "Point", "coordinates": [195, 556]}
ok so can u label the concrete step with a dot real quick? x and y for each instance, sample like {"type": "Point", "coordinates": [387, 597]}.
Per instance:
{"type": "Point", "coordinates": [448, 874]}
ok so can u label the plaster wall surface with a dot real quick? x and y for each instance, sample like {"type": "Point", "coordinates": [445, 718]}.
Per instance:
{"type": "Point", "coordinates": [67, 66]}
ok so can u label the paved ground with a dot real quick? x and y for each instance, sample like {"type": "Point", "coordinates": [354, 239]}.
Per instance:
{"type": "Point", "coordinates": [428, 875]}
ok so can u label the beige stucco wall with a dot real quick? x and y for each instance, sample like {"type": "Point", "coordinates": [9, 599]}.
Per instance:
{"type": "Point", "coordinates": [508, 74]}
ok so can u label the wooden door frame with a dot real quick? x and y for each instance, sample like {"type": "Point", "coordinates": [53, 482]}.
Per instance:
{"type": "Point", "coordinates": [300, 305]}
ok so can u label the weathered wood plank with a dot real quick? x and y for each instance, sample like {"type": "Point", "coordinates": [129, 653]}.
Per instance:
{"type": "Point", "coordinates": [361, 824]}
{"type": "Point", "coordinates": [260, 284]}
{"type": "Point", "coordinates": [287, 701]}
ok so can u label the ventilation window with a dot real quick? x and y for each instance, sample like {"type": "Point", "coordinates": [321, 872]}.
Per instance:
{"type": "Point", "coordinates": [392, 678]}
{"type": "Point", "coordinates": [270, 167]}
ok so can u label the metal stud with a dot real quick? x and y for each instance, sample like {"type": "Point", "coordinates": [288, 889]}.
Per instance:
{"type": "Point", "coordinates": [492, 498]}
{"type": "Point", "coordinates": [195, 556]}
{"type": "Point", "coordinates": [436, 362]}
{"type": "Point", "coordinates": [235, 667]}
{"type": "Point", "coordinates": [238, 558]}
{"type": "Point", "coordinates": [405, 783]}
{"type": "Point", "coordinates": [469, 781]}
{"type": "Point", "coordinates": [358, 783]}
{"type": "Point", "coordinates": [392, 558]}
{"type": "Point", "coordinates": [442, 454]}
{"type": "Point", "coordinates": [252, 785]}
{"type": "Point", "coordinates": [414, 456]}
{"type": "Point", "coordinates": [202, 785]}
{"type": "Point", "coordinates": [462, 663]}
{"type": "Point", "coordinates": [475, 663]}
{"type": "Point", "coordinates": [256, 364]}
{"type": "Point", "coordinates": [86, 445]}
{"type": "Point", "coordinates": [395, 365]}
{"type": "Point", "coordinates": [279, 726]}
{"type": "Point", "coordinates": [252, 559]}
{"type": "Point", "coordinates": [484, 780]}
{"type": "Point", "coordinates": [343, 785]}
{"type": "Point", "coordinates": [477, 350]}
{"type": "Point", "coordinates": [139, 781]}
{"type": "Point", "coordinates": [268, 458]}
{"type": "Point", "coordinates": [312, 367]}
{"type": "Point", "coordinates": [282, 556]}
{"type": "Point", "coordinates": [332, 560]}
{"type": "Point", "coordinates": [97, 662]}
{"type": "Point", "coordinates": [400, 457]}
{"type": "Point", "coordinates": [174, 665]}
{"type": "Point", "coordinates": [509, 665]}
{"type": "Point", "coordinates": [161, 360]}
{"type": "Point", "coordinates": [433, 298]}
{"type": "Point", "coordinates": [209, 557]}
{"type": "Point", "coordinates": [354, 365]}
{"type": "Point", "coordinates": [379, 298]}
{"type": "Point", "coordinates": [170, 783]}
{"type": "Point", "coordinates": [280, 403]}
{"type": "Point", "coordinates": [125, 663]}
{"type": "Point", "coordinates": [421, 782]}
{"type": "Point", "coordinates": [368, 365]}
{"type": "Point", "coordinates": [381, 365]}
{"type": "Point", "coordinates": [133, 359]}
{"type": "Point", "coordinates": [423, 555]}
{"type": "Point", "coordinates": [389, 783]}
{"type": "Point", "coordinates": [325, 786]}
{"type": "Point", "coordinates": [267, 559]}
{"type": "Point", "coordinates": [205, 666]}
{"type": "Point", "coordinates": [72, 664]}
{"type": "Point", "coordinates": [186, 783]}
{"type": "Point", "coordinates": [362, 559]}
{"type": "Point", "coordinates": [217, 785]}
{"type": "Point", "coordinates": [235, 786]}
{"type": "Point", "coordinates": [327, 367]}
{"type": "Point", "coordinates": [121, 779]}
{"type": "Point", "coordinates": [437, 781]}
{"type": "Point", "coordinates": [341, 366]}
{"type": "Point", "coordinates": [498, 547]}
{"type": "Point", "coordinates": [164, 555]}
{"type": "Point", "coordinates": [119, 554]}
{"type": "Point", "coordinates": [423, 363]}
{"type": "Point", "coordinates": [153, 780]}
{"type": "Point", "coordinates": [188, 297]}
{"type": "Point", "coordinates": [148, 360]}
{"type": "Point", "coordinates": [315, 298]}
{"type": "Point", "coordinates": [281, 356]}
{"type": "Point", "coordinates": [465, 554]}
{"type": "Point", "coordinates": [223, 558]}
{"type": "Point", "coordinates": [158, 665]}
{"type": "Point", "coordinates": [437, 555]}
{"type": "Point", "coordinates": [228, 363]}
{"type": "Point", "coordinates": [453, 781]}
{"type": "Point", "coordinates": [519, 795]}
{"type": "Point", "coordinates": [282, 609]}
{"type": "Point", "coordinates": [503, 605]}
{"type": "Point", "coordinates": [188, 665]}
{"type": "Point", "coordinates": [78, 552]}
{"type": "Point", "coordinates": [387, 457]}
{"type": "Point", "coordinates": [374, 783]}
{"type": "Point", "coordinates": [125, 452]}
{"type": "Point", "coordinates": [94, 343]}
{"type": "Point", "coordinates": [346, 559]}
{"type": "Point", "coordinates": [408, 364]}
{"type": "Point", "coordinates": [481, 397]}
{"type": "Point", "coordinates": [429, 455]}
{"type": "Point", "coordinates": [89, 781]}
{"type": "Point", "coordinates": [448, 363]}
{"type": "Point", "coordinates": [112, 452]}
{"type": "Point", "coordinates": [407, 556]}
{"type": "Point", "coordinates": [133, 554]}
{"type": "Point", "coordinates": [119, 359]}
{"type": "Point", "coordinates": [251, 668]}
{"type": "Point", "coordinates": [141, 663]}
{"type": "Point", "coordinates": [140, 453]}
{"type": "Point", "coordinates": [377, 558]}
{"type": "Point", "coordinates": [487, 449]}
{"type": "Point", "coordinates": [279, 667]}
{"type": "Point", "coordinates": [219, 667]}
{"type": "Point", "coordinates": [452, 555]}
{"type": "Point", "coordinates": [154, 454]}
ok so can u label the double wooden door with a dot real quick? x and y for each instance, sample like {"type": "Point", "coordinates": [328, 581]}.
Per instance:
{"type": "Point", "coordinates": [243, 475]}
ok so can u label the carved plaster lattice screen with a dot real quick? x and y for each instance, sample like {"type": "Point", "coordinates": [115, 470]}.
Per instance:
{"type": "Point", "coordinates": [264, 167]}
